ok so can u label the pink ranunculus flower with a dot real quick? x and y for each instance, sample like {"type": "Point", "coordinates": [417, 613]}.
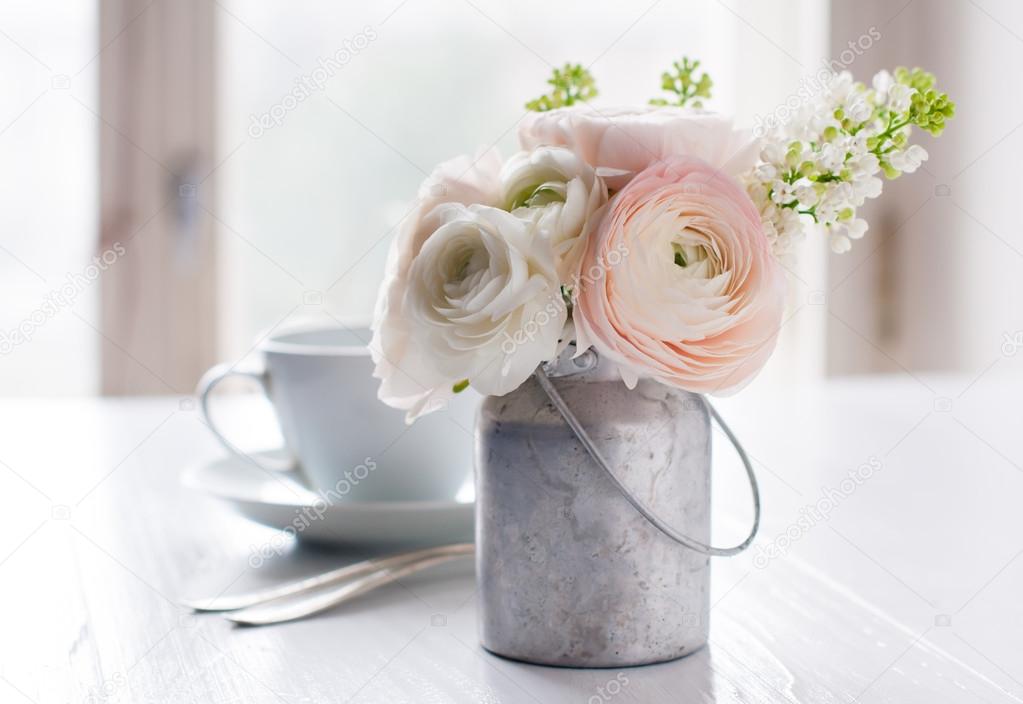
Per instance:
{"type": "Point", "coordinates": [621, 142]}
{"type": "Point", "coordinates": [407, 379]}
{"type": "Point", "coordinates": [696, 300]}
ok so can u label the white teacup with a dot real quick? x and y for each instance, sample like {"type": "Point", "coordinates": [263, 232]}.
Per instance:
{"type": "Point", "coordinates": [345, 441]}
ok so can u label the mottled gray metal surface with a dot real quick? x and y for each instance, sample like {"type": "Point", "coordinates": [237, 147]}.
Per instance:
{"type": "Point", "coordinates": [569, 572]}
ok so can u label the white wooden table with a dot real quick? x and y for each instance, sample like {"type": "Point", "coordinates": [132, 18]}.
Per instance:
{"type": "Point", "coordinates": [907, 590]}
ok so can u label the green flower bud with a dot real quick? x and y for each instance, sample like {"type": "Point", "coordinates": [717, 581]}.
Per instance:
{"type": "Point", "coordinates": [890, 171]}
{"type": "Point", "coordinates": [571, 84]}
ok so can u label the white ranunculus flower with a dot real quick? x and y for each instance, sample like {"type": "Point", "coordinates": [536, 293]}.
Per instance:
{"type": "Point", "coordinates": [483, 303]}
{"type": "Point", "coordinates": [559, 190]}
{"type": "Point", "coordinates": [399, 361]}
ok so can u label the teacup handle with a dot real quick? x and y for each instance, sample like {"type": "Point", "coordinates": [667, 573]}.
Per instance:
{"type": "Point", "coordinates": [208, 383]}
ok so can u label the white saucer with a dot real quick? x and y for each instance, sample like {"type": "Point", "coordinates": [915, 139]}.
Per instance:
{"type": "Point", "coordinates": [279, 500]}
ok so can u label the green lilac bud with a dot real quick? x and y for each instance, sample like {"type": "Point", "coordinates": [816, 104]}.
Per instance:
{"type": "Point", "coordinates": [688, 89]}
{"type": "Point", "coordinates": [571, 84]}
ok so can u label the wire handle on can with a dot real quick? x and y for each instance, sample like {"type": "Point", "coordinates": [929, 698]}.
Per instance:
{"type": "Point", "coordinates": [543, 376]}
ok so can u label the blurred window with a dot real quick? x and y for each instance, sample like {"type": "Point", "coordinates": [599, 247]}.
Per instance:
{"type": "Point", "coordinates": [49, 283]}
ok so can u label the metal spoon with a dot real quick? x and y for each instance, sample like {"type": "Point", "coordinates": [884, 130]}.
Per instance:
{"type": "Point", "coordinates": [233, 602]}
{"type": "Point", "coordinates": [289, 609]}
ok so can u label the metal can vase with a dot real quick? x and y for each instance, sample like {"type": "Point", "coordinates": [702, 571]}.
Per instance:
{"type": "Point", "coordinates": [569, 572]}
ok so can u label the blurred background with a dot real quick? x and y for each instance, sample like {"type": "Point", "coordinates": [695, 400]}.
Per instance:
{"type": "Point", "coordinates": [184, 177]}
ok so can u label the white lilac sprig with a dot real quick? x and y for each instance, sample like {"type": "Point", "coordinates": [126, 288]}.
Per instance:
{"type": "Point", "coordinates": [828, 160]}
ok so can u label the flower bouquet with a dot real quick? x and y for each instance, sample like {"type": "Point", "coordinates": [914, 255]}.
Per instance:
{"type": "Point", "coordinates": [638, 245]}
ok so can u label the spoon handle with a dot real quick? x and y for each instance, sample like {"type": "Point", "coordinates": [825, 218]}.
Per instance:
{"type": "Point", "coordinates": [233, 602]}
{"type": "Point", "coordinates": [291, 609]}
